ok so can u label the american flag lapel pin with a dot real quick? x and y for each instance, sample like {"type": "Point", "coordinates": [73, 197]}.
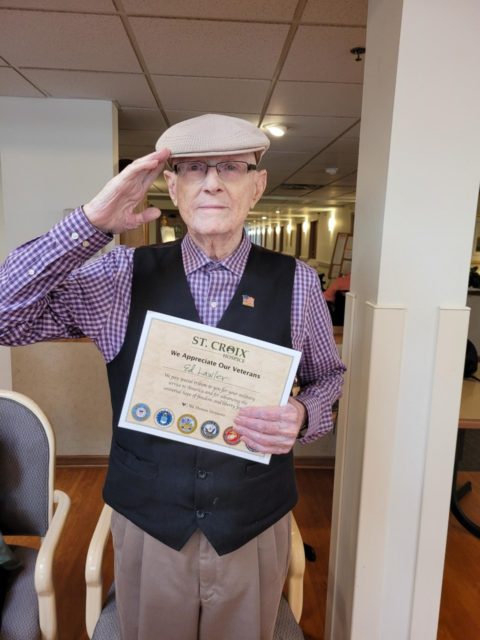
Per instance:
{"type": "Point", "coordinates": [248, 301]}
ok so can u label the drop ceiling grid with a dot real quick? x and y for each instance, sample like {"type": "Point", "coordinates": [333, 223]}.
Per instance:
{"type": "Point", "coordinates": [264, 11]}
{"type": "Point", "coordinates": [340, 12]}
{"type": "Point", "coordinates": [13, 84]}
{"type": "Point", "coordinates": [306, 126]}
{"type": "Point", "coordinates": [232, 76]}
{"type": "Point", "coordinates": [317, 99]}
{"type": "Point", "coordinates": [211, 94]}
{"type": "Point", "coordinates": [207, 48]}
{"type": "Point", "coordinates": [65, 41]}
{"type": "Point", "coordinates": [129, 90]}
{"type": "Point", "coordinates": [78, 6]}
{"type": "Point", "coordinates": [322, 54]}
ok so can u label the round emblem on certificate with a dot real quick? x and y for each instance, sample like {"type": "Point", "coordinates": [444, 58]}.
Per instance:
{"type": "Point", "coordinates": [252, 449]}
{"type": "Point", "coordinates": [164, 418]}
{"type": "Point", "coordinates": [187, 423]}
{"type": "Point", "coordinates": [141, 411]}
{"type": "Point", "coordinates": [209, 429]}
{"type": "Point", "coordinates": [231, 436]}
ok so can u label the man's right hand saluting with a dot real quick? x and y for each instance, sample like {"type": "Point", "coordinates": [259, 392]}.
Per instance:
{"type": "Point", "coordinates": [112, 210]}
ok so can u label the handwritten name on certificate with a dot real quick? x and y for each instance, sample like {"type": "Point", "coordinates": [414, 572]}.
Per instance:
{"type": "Point", "coordinates": [189, 381]}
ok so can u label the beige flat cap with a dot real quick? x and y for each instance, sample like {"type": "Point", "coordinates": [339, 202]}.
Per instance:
{"type": "Point", "coordinates": [213, 135]}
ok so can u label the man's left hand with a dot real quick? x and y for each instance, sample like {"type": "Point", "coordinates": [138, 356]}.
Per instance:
{"type": "Point", "coordinates": [271, 429]}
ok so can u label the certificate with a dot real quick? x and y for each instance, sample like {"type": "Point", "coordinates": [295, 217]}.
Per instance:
{"type": "Point", "coordinates": [189, 380]}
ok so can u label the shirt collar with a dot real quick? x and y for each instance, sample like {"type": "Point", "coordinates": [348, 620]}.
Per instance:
{"type": "Point", "coordinates": [194, 258]}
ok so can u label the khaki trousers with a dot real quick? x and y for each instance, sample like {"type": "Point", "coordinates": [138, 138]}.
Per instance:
{"type": "Point", "coordinates": [195, 594]}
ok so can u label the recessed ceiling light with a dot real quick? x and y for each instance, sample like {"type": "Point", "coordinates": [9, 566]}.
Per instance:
{"type": "Point", "coordinates": [277, 130]}
{"type": "Point", "coordinates": [331, 170]}
{"type": "Point", "coordinates": [264, 218]}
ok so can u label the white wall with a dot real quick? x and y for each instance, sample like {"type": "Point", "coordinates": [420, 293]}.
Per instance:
{"type": "Point", "coordinates": [54, 155]}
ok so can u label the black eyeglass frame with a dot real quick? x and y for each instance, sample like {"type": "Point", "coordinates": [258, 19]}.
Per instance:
{"type": "Point", "coordinates": [250, 166]}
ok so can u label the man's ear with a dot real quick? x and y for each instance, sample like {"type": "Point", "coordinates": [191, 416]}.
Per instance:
{"type": "Point", "coordinates": [260, 186]}
{"type": "Point", "coordinates": [171, 180]}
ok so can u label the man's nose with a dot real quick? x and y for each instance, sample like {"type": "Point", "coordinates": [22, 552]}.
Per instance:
{"type": "Point", "coordinates": [212, 180]}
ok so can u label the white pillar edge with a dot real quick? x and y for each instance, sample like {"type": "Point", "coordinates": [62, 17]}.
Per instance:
{"type": "Point", "coordinates": [339, 478]}
{"type": "Point", "coordinates": [385, 331]}
{"type": "Point", "coordinates": [442, 435]}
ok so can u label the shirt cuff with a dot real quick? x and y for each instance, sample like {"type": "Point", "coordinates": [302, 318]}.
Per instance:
{"type": "Point", "coordinates": [319, 418]}
{"type": "Point", "coordinates": [76, 232]}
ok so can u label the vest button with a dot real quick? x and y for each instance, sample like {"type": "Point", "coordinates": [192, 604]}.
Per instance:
{"type": "Point", "coordinates": [200, 514]}
{"type": "Point", "coordinates": [201, 474]}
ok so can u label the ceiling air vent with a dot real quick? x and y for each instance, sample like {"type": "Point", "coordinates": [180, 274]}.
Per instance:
{"type": "Point", "coordinates": [292, 186]}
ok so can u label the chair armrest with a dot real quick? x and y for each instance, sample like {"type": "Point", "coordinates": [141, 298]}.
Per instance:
{"type": "Point", "coordinates": [44, 567]}
{"type": "Point", "coordinates": [296, 570]}
{"type": "Point", "coordinates": [93, 569]}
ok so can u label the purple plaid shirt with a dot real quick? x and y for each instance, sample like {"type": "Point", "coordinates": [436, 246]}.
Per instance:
{"type": "Point", "coordinates": [49, 290]}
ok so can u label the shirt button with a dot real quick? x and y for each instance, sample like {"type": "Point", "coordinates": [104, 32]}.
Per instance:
{"type": "Point", "coordinates": [202, 474]}
{"type": "Point", "coordinates": [200, 514]}
{"type": "Point", "coordinates": [31, 272]}
{"type": "Point", "coordinates": [74, 236]}
{"type": "Point", "coordinates": [213, 304]}
{"type": "Point", "coordinates": [85, 243]}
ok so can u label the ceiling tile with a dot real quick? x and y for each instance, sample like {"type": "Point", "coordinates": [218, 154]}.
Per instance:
{"type": "Point", "coordinates": [317, 99]}
{"type": "Point", "coordinates": [338, 12]}
{"type": "Point", "coordinates": [133, 152]}
{"type": "Point", "coordinates": [134, 138]}
{"type": "Point", "coordinates": [253, 10]}
{"type": "Point", "coordinates": [180, 115]}
{"type": "Point", "coordinates": [12, 84]}
{"type": "Point", "coordinates": [292, 142]}
{"type": "Point", "coordinates": [331, 192]}
{"type": "Point", "coordinates": [306, 126]}
{"type": "Point", "coordinates": [127, 89]}
{"type": "Point", "coordinates": [211, 94]}
{"type": "Point", "coordinates": [322, 54]}
{"type": "Point", "coordinates": [317, 174]}
{"type": "Point", "coordinates": [280, 190]}
{"type": "Point", "coordinates": [65, 41]}
{"type": "Point", "coordinates": [349, 181]}
{"type": "Point", "coordinates": [280, 165]}
{"type": "Point", "coordinates": [345, 145]}
{"type": "Point", "coordinates": [208, 48]}
{"type": "Point", "coordinates": [354, 132]}
{"type": "Point", "coordinates": [97, 6]}
{"type": "Point", "coordinates": [332, 157]}
{"type": "Point", "coordinates": [138, 119]}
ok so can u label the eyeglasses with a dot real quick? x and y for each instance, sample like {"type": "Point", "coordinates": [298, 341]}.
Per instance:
{"type": "Point", "coordinates": [228, 171]}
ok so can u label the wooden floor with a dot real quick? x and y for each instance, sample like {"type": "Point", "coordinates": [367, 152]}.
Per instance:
{"type": "Point", "coordinates": [460, 610]}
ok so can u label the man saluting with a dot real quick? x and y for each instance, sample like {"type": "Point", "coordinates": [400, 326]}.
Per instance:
{"type": "Point", "coordinates": [201, 538]}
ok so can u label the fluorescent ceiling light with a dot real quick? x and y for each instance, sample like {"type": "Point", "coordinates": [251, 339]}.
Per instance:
{"type": "Point", "coordinates": [277, 130]}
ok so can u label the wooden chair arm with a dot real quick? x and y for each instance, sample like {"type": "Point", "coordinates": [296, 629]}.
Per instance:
{"type": "Point", "coordinates": [296, 571]}
{"type": "Point", "coordinates": [44, 568]}
{"type": "Point", "coordinates": [93, 569]}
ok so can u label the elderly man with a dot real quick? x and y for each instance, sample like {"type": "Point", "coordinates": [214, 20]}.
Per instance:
{"type": "Point", "coordinates": [201, 538]}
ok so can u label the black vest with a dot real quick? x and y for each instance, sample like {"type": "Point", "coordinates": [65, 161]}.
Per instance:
{"type": "Point", "coordinates": [170, 489]}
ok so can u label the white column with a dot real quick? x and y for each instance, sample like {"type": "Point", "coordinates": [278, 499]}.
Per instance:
{"type": "Point", "coordinates": [54, 155]}
{"type": "Point", "coordinates": [406, 325]}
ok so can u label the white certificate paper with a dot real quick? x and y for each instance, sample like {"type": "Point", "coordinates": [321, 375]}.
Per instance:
{"type": "Point", "coordinates": [189, 381]}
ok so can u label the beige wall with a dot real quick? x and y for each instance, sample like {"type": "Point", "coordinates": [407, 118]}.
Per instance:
{"type": "Point", "coordinates": [69, 382]}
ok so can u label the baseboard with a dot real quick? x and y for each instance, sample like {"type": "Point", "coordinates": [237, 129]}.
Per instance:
{"type": "Point", "coordinates": [311, 462]}
{"type": "Point", "coordinates": [314, 462]}
{"type": "Point", "coordinates": [82, 461]}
